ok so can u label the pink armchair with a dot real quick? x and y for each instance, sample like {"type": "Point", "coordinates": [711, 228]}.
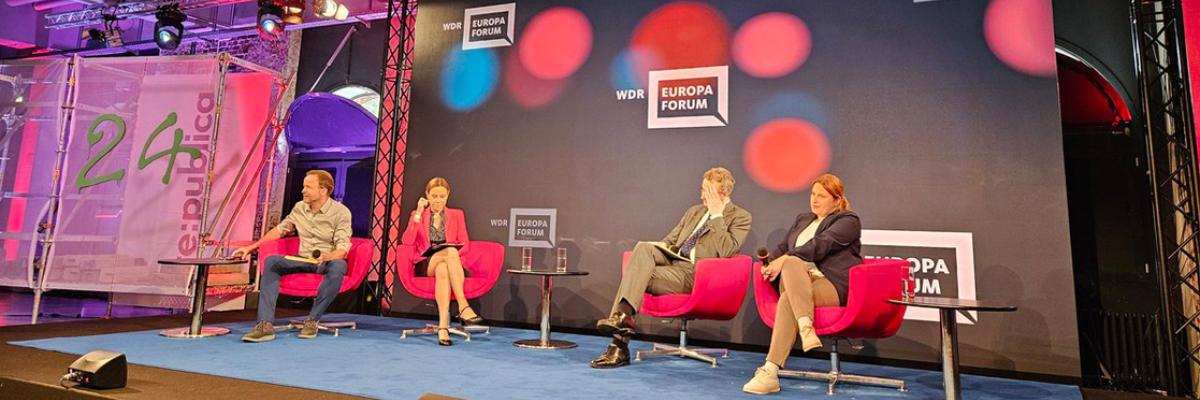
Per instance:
{"type": "Point", "coordinates": [867, 315]}
{"type": "Point", "coordinates": [484, 260]}
{"type": "Point", "coordinates": [717, 293]}
{"type": "Point", "coordinates": [358, 263]}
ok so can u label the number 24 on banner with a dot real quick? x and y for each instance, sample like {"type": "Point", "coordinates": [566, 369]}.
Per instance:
{"type": "Point", "coordinates": [95, 135]}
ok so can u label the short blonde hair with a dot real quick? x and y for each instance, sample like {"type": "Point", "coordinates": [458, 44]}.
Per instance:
{"type": "Point", "coordinates": [324, 179]}
{"type": "Point", "coordinates": [437, 181]}
{"type": "Point", "coordinates": [723, 178]}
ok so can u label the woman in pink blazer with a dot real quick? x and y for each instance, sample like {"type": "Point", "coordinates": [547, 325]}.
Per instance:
{"type": "Point", "coordinates": [432, 223]}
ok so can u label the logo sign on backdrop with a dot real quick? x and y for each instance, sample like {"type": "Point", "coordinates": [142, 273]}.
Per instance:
{"type": "Point", "coordinates": [490, 26]}
{"type": "Point", "coordinates": [532, 227]}
{"type": "Point", "coordinates": [689, 98]}
{"type": "Point", "coordinates": [942, 263]}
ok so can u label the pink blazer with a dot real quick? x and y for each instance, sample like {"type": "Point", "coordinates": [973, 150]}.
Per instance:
{"type": "Point", "coordinates": [417, 233]}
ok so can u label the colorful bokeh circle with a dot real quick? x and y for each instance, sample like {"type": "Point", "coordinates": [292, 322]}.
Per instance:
{"type": "Point", "coordinates": [772, 45]}
{"type": "Point", "coordinates": [1021, 34]}
{"type": "Point", "coordinates": [786, 155]}
{"type": "Point", "coordinates": [527, 90]}
{"type": "Point", "coordinates": [555, 43]}
{"type": "Point", "coordinates": [680, 34]}
{"type": "Point", "coordinates": [468, 78]}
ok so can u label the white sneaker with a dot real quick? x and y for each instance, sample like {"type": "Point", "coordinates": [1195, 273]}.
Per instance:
{"type": "Point", "coordinates": [763, 382]}
{"type": "Point", "coordinates": [808, 336]}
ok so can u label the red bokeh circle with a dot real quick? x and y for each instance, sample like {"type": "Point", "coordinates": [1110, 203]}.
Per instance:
{"type": "Point", "coordinates": [1021, 34]}
{"type": "Point", "coordinates": [680, 34]}
{"type": "Point", "coordinates": [527, 90]}
{"type": "Point", "coordinates": [772, 45]}
{"type": "Point", "coordinates": [786, 154]}
{"type": "Point", "coordinates": [555, 43]}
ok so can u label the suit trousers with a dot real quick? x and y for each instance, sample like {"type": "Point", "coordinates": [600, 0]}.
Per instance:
{"type": "Point", "coordinates": [650, 271]}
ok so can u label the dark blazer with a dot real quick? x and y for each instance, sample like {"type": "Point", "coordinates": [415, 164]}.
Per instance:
{"type": "Point", "coordinates": [834, 248]}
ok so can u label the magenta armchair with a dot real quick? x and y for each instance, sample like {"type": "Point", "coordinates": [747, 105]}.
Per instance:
{"type": "Point", "coordinates": [484, 260]}
{"type": "Point", "coordinates": [867, 315]}
{"type": "Point", "coordinates": [717, 294]}
{"type": "Point", "coordinates": [358, 262]}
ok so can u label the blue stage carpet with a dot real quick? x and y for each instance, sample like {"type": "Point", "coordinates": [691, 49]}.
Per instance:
{"type": "Point", "coordinates": [374, 362]}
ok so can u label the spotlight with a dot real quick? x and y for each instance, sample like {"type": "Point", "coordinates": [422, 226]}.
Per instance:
{"type": "Point", "coordinates": [109, 37]}
{"type": "Point", "coordinates": [270, 25]}
{"type": "Point", "coordinates": [112, 31]}
{"type": "Point", "coordinates": [168, 30]}
{"type": "Point", "coordinates": [293, 11]}
{"type": "Point", "coordinates": [330, 9]}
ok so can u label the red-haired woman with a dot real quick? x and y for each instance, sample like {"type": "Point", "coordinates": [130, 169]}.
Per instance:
{"type": "Point", "coordinates": [811, 268]}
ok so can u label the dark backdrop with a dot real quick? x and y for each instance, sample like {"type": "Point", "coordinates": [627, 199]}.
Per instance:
{"type": "Point", "coordinates": [930, 130]}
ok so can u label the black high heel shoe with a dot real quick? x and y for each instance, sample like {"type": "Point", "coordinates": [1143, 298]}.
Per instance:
{"type": "Point", "coordinates": [476, 320]}
{"type": "Point", "coordinates": [446, 341]}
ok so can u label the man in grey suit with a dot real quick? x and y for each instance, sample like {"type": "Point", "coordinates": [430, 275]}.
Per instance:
{"type": "Point", "coordinates": [715, 228]}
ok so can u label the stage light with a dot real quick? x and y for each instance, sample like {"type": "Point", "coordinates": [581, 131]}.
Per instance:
{"type": "Point", "coordinates": [112, 31]}
{"type": "Point", "coordinates": [330, 9]}
{"type": "Point", "coordinates": [109, 37]}
{"type": "Point", "coordinates": [270, 24]}
{"type": "Point", "coordinates": [168, 30]}
{"type": "Point", "coordinates": [293, 11]}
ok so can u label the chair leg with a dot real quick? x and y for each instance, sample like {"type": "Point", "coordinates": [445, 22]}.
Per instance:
{"type": "Point", "coordinates": [836, 375]}
{"type": "Point", "coordinates": [431, 329]}
{"type": "Point", "coordinates": [333, 327]}
{"type": "Point", "coordinates": [695, 353]}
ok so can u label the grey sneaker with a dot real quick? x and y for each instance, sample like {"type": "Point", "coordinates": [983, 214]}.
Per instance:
{"type": "Point", "coordinates": [262, 332]}
{"type": "Point", "coordinates": [309, 330]}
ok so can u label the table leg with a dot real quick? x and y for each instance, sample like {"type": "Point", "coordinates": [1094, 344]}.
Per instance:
{"type": "Point", "coordinates": [543, 341]}
{"type": "Point", "coordinates": [201, 285]}
{"type": "Point", "coordinates": [544, 330]}
{"type": "Point", "coordinates": [196, 328]}
{"type": "Point", "coordinates": [950, 354]}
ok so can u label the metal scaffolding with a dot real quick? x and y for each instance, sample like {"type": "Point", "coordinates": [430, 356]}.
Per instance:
{"type": "Point", "coordinates": [1171, 150]}
{"type": "Point", "coordinates": [386, 210]}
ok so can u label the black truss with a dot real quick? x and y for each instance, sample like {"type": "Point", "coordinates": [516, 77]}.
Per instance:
{"type": "Point", "coordinates": [390, 152]}
{"type": "Point", "coordinates": [1171, 151]}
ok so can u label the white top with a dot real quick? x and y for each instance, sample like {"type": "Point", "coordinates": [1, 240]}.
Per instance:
{"type": "Point", "coordinates": [808, 232]}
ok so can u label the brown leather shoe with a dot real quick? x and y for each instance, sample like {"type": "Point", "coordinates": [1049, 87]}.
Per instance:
{"type": "Point", "coordinates": [262, 332]}
{"type": "Point", "coordinates": [309, 330]}
{"type": "Point", "coordinates": [613, 357]}
{"type": "Point", "coordinates": [617, 324]}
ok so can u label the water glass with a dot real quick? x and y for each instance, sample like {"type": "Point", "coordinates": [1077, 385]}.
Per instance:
{"type": "Point", "coordinates": [560, 263]}
{"type": "Point", "coordinates": [526, 258]}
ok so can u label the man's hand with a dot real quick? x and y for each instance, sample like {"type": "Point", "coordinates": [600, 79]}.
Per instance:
{"type": "Point", "coordinates": [712, 200]}
{"type": "Point", "coordinates": [243, 252]}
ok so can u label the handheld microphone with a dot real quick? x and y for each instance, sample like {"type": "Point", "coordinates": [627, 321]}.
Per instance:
{"type": "Point", "coordinates": [316, 254]}
{"type": "Point", "coordinates": [763, 254]}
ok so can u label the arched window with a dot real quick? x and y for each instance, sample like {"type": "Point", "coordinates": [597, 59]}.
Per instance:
{"type": "Point", "coordinates": [366, 97]}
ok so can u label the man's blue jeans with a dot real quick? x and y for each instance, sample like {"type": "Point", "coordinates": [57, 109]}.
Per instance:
{"type": "Point", "coordinates": [334, 271]}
